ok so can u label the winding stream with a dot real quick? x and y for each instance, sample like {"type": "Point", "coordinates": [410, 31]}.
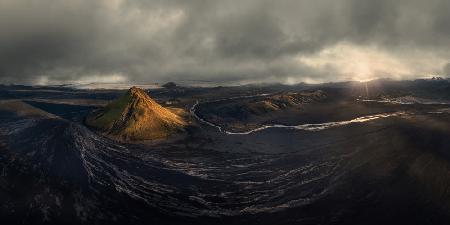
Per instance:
{"type": "Point", "coordinates": [307, 127]}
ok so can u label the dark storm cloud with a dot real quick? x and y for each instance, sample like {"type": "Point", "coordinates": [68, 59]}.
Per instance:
{"type": "Point", "coordinates": [77, 40]}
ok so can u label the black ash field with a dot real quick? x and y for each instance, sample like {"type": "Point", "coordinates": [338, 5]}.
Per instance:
{"type": "Point", "coordinates": [338, 153]}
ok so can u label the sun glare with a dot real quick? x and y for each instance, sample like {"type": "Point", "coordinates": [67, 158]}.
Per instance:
{"type": "Point", "coordinates": [357, 63]}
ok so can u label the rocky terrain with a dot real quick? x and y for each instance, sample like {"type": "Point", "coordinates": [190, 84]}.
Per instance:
{"type": "Point", "coordinates": [244, 113]}
{"type": "Point", "coordinates": [135, 116]}
{"type": "Point", "coordinates": [283, 101]}
{"type": "Point", "coordinates": [341, 160]}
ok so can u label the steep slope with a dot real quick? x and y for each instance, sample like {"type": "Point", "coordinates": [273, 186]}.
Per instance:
{"type": "Point", "coordinates": [135, 116]}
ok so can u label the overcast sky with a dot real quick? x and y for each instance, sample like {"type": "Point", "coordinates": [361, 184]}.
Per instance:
{"type": "Point", "coordinates": [236, 41]}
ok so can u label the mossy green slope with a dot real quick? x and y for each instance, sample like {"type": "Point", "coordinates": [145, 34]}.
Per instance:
{"type": "Point", "coordinates": [135, 116]}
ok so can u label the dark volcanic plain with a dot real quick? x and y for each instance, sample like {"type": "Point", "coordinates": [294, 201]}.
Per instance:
{"type": "Point", "coordinates": [337, 153]}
